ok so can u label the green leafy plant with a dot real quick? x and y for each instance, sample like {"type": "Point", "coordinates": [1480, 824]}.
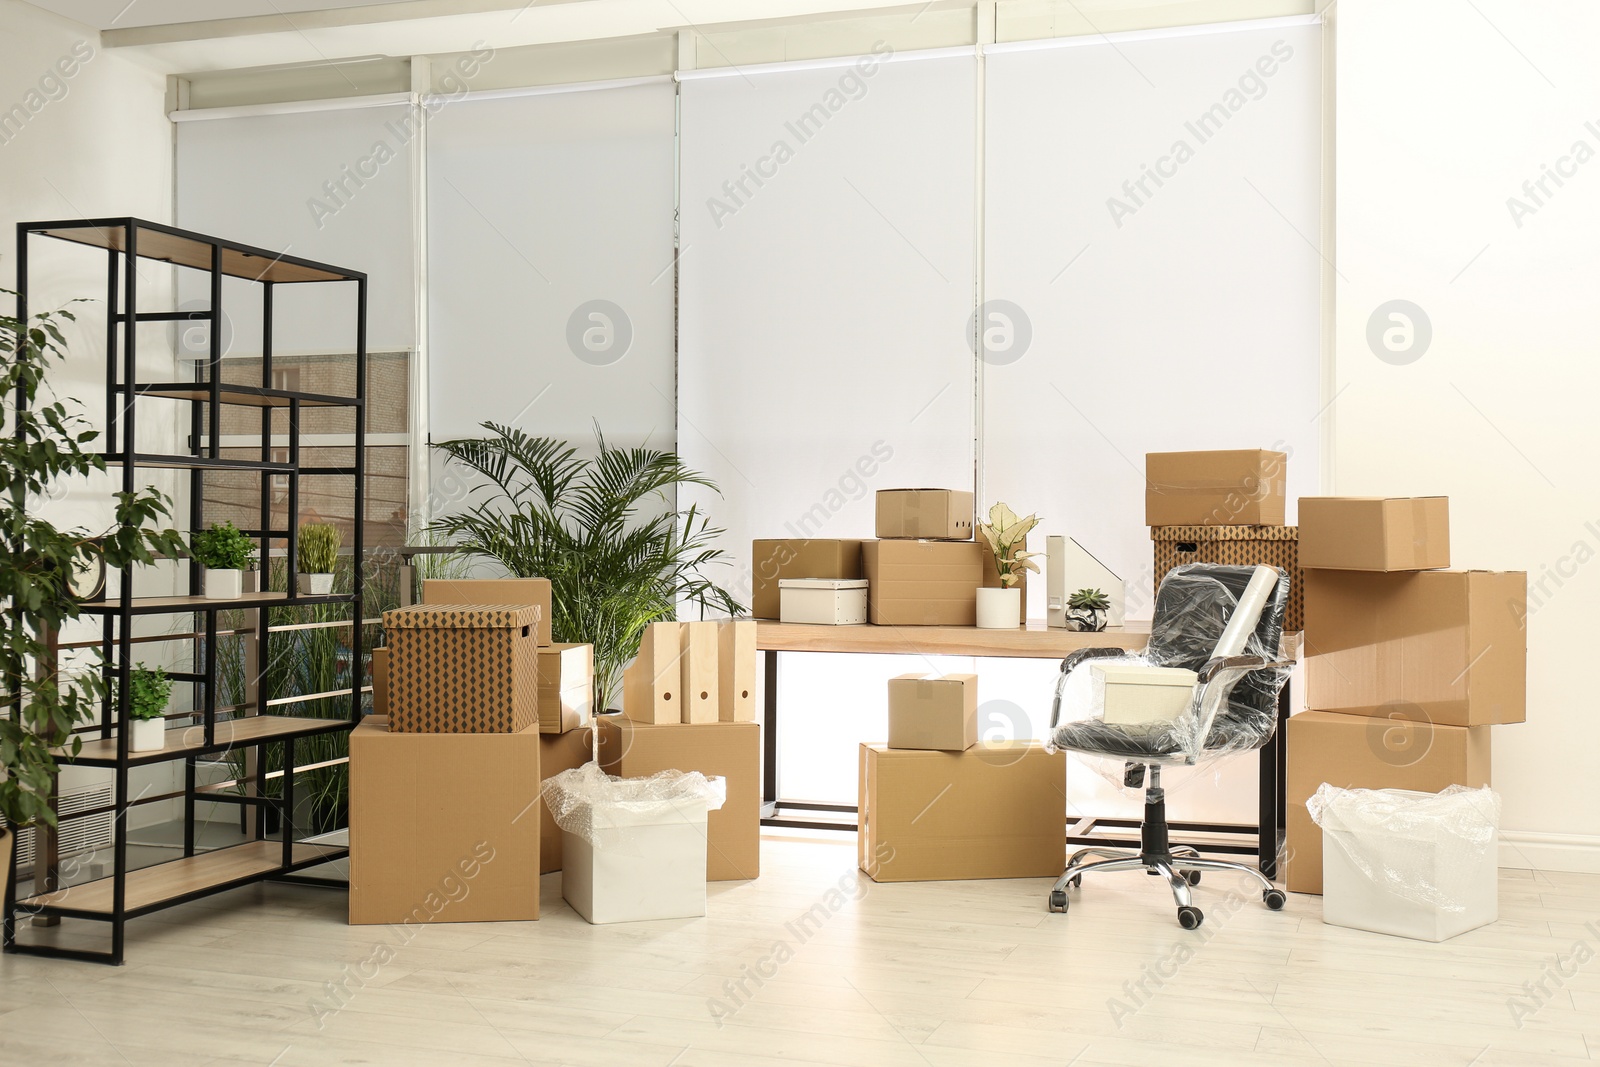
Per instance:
{"type": "Point", "coordinates": [223, 548]}
{"type": "Point", "coordinates": [1006, 535]}
{"type": "Point", "coordinates": [151, 689]}
{"type": "Point", "coordinates": [1090, 600]}
{"type": "Point", "coordinates": [319, 548]}
{"type": "Point", "coordinates": [43, 441]}
{"type": "Point", "coordinates": [603, 530]}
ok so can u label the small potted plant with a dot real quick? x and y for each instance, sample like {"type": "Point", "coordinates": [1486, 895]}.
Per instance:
{"type": "Point", "coordinates": [319, 553]}
{"type": "Point", "coordinates": [1006, 536]}
{"type": "Point", "coordinates": [226, 554]}
{"type": "Point", "coordinates": [149, 690]}
{"type": "Point", "coordinates": [1086, 610]}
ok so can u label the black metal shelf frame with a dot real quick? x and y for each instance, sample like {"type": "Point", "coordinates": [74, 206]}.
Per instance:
{"type": "Point", "coordinates": [125, 241]}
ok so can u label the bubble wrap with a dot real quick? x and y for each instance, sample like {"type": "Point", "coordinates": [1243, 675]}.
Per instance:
{"type": "Point", "coordinates": [1415, 845]}
{"type": "Point", "coordinates": [579, 799]}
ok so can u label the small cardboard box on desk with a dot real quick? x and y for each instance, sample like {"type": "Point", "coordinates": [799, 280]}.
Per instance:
{"type": "Point", "coordinates": [933, 514]}
{"type": "Point", "coordinates": [1240, 487]}
{"type": "Point", "coordinates": [922, 583]}
{"type": "Point", "coordinates": [443, 827]}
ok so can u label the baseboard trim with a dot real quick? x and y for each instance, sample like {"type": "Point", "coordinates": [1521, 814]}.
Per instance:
{"type": "Point", "coordinates": [1527, 850]}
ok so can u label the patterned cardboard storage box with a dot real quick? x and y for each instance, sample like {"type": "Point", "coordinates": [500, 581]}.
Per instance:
{"type": "Point", "coordinates": [1276, 546]}
{"type": "Point", "coordinates": [463, 668]}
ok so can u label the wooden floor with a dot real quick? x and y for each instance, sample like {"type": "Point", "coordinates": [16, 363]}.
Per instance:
{"type": "Point", "coordinates": [920, 975]}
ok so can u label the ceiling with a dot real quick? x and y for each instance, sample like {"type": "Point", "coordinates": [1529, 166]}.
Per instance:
{"type": "Point", "coordinates": [123, 14]}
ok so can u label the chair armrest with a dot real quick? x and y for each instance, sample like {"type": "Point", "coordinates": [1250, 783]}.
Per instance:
{"type": "Point", "coordinates": [1216, 680]}
{"type": "Point", "coordinates": [1074, 660]}
{"type": "Point", "coordinates": [1244, 663]}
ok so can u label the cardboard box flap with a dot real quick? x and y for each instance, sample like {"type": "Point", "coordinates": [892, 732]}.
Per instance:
{"type": "Point", "coordinates": [461, 617]}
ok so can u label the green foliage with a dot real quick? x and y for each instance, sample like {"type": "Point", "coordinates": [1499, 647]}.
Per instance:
{"type": "Point", "coordinates": [602, 530]}
{"type": "Point", "coordinates": [43, 440]}
{"type": "Point", "coordinates": [1091, 599]}
{"type": "Point", "coordinates": [1006, 536]}
{"type": "Point", "coordinates": [150, 689]}
{"type": "Point", "coordinates": [319, 548]}
{"type": "Point", "coordinates": [223, 548]}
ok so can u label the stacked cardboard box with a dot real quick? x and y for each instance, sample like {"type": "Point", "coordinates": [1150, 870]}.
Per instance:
{"type": "Point", "coordinates": [1407, 665]}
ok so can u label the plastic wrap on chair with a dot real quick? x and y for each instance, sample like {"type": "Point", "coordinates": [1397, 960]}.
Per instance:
{"type": "Point", "coordinates": [1232, 709]}
{"type": "Point", "coordinates": [1418, 846]}
{"type": "Point", "coordinates": [581, 799]}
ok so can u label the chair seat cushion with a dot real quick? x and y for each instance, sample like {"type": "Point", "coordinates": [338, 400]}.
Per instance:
{"type": "Point", "coordinates": [1160, 743]}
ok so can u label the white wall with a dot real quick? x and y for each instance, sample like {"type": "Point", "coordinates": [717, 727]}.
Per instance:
{"type": "Point", "coordinates": [1443, 113]}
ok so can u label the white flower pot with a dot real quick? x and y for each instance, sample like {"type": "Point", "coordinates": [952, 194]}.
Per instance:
{"type": "Point", "coordinates": [999, 609]}
{"type": "Point", "coordinates": [316, 584]}
{"type": "Point", "coordinates": [222, 585]}
{"type": "Point", "coordinates": [149, 735]}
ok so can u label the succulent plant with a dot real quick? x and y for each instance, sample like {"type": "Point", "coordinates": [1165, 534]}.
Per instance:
{"type": "Point", "coordinates": [1092, 599]}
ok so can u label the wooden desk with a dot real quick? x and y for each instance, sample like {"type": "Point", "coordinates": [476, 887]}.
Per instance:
{"type": "Point", "coordinates": [1035, 641]}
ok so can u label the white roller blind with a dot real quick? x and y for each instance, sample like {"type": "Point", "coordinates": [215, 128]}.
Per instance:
{"type": "Point", "coordinates": [333, 186]}
{"type": "Point", "coordinates": [1152, 215]}
{"type": "Point", "coordinates": [550, 264]}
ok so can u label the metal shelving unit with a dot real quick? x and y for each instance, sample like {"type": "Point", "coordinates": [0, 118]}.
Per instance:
{"type": "Point", "coordinates": [211, 729]}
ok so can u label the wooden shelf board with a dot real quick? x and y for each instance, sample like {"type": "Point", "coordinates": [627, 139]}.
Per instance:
{"type": "Point", "coordinates": [250, 730]}
{"type": "Point", "coordinates": [176, 879]}
{"type": "Point", "coordinates": [252, 264]}
{"type": "Point", "coordinates": [156, 605]}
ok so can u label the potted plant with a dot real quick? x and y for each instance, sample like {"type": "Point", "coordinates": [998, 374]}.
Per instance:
{"type": "Point", "coordinates": [319, 554]}
{"type": "Point", "coordinates": [1087, 610]}
{"type": "Point", "coordinates": [149, 690]}
{"type": "Point", "coordinates": [44, 441]}
{"type": "Point", "coordinates": [604, 530]}
{"type": "Point", "coordinates": [1006, 537]}
{"type": "Point", "coordinates": [226, 554]}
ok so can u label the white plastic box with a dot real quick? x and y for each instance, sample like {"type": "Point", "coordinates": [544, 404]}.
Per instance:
{"type": "Point", "coordinates": [1132, 694]}
{"type": "Point", "coordinates": [825, 601]}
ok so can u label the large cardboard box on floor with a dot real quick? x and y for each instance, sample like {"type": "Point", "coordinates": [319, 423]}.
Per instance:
{"type": "Point", "coordinates": [938, 514]}
{"type": "Point", "coordinates": [1240, 487]}
{"type": "Point", "coordinates": [1370, 533]}
{"type": "Point", "coordinates": [730, 750]}
{"type": "Point", "coordinates": [535, 591]}
{"type": "Point", "coordinates": [443, 827]}
{"type": "Point", "coordinates": [797, 557]}
{"type": "Point", "coordinates": [566, 687]}
{"type": "Point", "coordinates": [933, 713]}
{"type": "Point", "coordinates": [1449, 643]}
{"type": "Point", "coordinates": [557, 753]}
{"type": "Point", "coordinates": [462, 668]}
{"type": "Point", "coordinates": [1362, 752]}
{"type": "Point", "coordinates": [922, 583]}
{"type": "Point", "coordinates": [993, 811]}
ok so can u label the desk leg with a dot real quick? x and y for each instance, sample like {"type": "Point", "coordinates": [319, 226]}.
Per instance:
{"type": "Point", "coordinates": [1270, 819]}
{"type": "Point", "coordinates": [769, 738]}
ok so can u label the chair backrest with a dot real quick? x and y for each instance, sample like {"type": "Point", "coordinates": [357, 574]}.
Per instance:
{"type": "Point", "coordinates": [1192, 609]}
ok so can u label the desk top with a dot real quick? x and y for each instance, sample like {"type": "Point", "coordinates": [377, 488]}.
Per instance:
{"type": "Point", "coordinates": [1035, 641]}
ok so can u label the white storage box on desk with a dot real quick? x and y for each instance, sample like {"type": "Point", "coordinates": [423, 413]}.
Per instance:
{"type": "Point", "coordinates": [828, 601]}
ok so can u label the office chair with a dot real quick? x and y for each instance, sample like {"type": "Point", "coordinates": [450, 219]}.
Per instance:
{"type": "Point", "coordinates": [1205, 616]}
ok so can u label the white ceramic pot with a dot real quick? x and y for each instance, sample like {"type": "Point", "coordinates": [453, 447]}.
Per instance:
{"type": "Point", "coordinates": [149, 735]}
{"type": "Point", "coordinates": [999, 609]}
{"type": "Point", "coordinates": [223, 585]}
{"type": "Point", "coordinates": [316, 584]}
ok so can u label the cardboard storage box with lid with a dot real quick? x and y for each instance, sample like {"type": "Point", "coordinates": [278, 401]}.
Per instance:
{"type": "Point", "coordinates": [1240, 487]}
{"type": "Point", "coordinates": [823, 601]}
{"type": "Point", "coordinates": [797, 557]}
{"type": "Point", "coordinates": [462, 668]}
{"type": "Point", "coordinates": [922, 583]}
{"type": "Point", "coordinates": [1369, 533]}
{"type": "Point", "coordinates": [566, 687]}
{"type": "Point", "coordinates": [993, 811]}
{"type": "Point", "coordinates": [1274, 546]}
{"type": "Point", "coordinates": [939, 713]}
{"type": "Point", "coordinates": [422, 853]}
{"type": "Point", "coordinates": [931, 514]}
{"type": "Point", "coordinates": [730, 750]}
{"type": "Point", "coordinates": [1405, 751]}
{"type": "Point", "coordinates": [535, 591]}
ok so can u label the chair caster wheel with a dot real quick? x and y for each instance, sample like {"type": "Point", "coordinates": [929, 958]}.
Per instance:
{"type": "Point", "coordinates": [1077, 882]}
{"type": "Point", "coordinates": [1274, 899]}
{"type": "Point", "coordinates": [1192, 877]}
{"type": "Point", "coordinates": [1058, 900]}
{"type": "Point", "coordinates": [1190, 918]}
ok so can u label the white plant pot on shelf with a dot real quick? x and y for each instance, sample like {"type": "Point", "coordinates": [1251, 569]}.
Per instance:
{"type": "Point", "coordinates": [149, 735]}
{"type": "Point", "coordinates": [999, 609]}
{"type": "Point", "coordinates": [223, 585]}
{"type": "Point", "coordinates": [316, 584]}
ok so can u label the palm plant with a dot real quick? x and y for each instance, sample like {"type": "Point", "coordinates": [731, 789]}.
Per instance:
{"type": "Point", "coordinates": [603, 530]}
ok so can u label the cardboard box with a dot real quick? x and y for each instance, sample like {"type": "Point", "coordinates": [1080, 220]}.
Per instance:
{"type": "Point", "coordinates": [933, 713]}
{"type": "Point", "coordinates": [1242, 487]}
{"type": "Point", "coordinates": [566, 687]}
{"type": "Point", "coordinates": [993, 811]}
{"type": "Point", "coordinates": [922, 583]}
{"type": "Point", "coordinates": [823, 601]}
{"type": "Point", "coordinates": [1274, 546]}
{"type": "Point", "coordinates": [420, 853]}
{"type": "Point", "coordinates": [649, 863]}
{"type": "Point", "coordinates": [736, 670]}
{"type": "Point", "coordinates": [935, 514]}
{"type": "Point", "coordinates": [557, 753]}
{"type": "Point", "coordinates": [652, 683]}
{"type": "Point", "coordinates": [1360, 752]}
{"type": "Point", "coordinates": [1450, 643]}
{"type": "Point", "coordinates": [535, 591]}
{"type": "Point", "coordinates": [1136, 695]}
{"type": "Point", "coordinates": [1370, 533]}
{"type": "Point", "coordinates": [380, 681]}
{"type": "Point", "coordinates": [698, 661]}
{"type": "Point", "coordinates": [468, 668]}
{"type": "Point", "coordinates": [730, 750]}
{"type": "Point", "coordinates": [798, 557]}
